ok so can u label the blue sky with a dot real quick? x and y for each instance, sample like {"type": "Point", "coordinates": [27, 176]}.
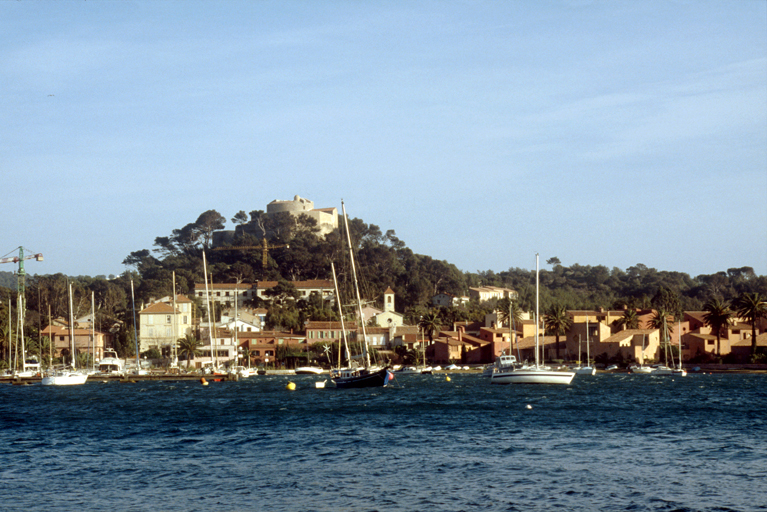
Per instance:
{"type": "Point", "coordinates": [603, 133]}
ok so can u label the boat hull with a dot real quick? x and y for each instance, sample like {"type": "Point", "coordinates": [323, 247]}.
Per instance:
{"type": "Point", "coordinates": [531, 376]}
{"type": "Point", "coordinates": [308, 370]}
{"type": "Point", "coordinates": [71, 379]}
{"type": "Point", "coordinates": [365, 379]}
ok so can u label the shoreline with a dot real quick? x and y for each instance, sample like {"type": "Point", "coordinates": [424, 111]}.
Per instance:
{"type": "Point", "coordinates": [756, 369]}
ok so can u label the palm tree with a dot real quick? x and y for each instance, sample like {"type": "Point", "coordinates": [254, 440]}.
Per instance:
{"type": "Point", "coordinates": [557, 323]}
{"type": "Point", "coordinates": [751, 306]}
{"type": "Point", "coordinates": [718, 314]}
{"type": "Point", "coordinates": [629, 320]}
{"type": "Point", "coordinates": [188, 347]}
{"type": "Point", "coordinates": [429, 323]}
{"type": "Point", "coordinates": [508, 308]}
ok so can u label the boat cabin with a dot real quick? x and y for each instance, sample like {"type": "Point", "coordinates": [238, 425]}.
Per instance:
{"type": "Point", "coordinates": [505, 361]}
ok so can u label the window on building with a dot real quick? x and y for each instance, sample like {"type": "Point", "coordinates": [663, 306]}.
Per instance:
{"type": "Point", "coordinates": [168, 319]}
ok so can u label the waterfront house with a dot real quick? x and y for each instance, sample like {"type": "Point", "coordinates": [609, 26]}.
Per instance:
{"type": "Point", "coordinates": [60, 338]}
{"type": "Point", "coordinates": [225, 294]}
{"type": "Point", "coordinates": [263, 346]}
{"type": "Point", "coordinates": [627, 345]}
{"type": "Point", "coordinates": [160, 325]}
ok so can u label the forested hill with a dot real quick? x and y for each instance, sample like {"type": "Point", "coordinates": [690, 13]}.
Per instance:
{"type": "Point", "coordinates": [383, 260]}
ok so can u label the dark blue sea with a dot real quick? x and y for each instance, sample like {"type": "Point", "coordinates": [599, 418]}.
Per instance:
{"type": "Point", "coordinates": [604, 443]}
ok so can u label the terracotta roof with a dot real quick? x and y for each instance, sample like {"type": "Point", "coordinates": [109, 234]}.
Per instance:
{"type": "Point", "coordinates": [157, 307]}
{"type": "Point", "coordinates": [323, 325]}
{"type": "Point", "coordinates": [56, 330]}
{"type": "Point", "coordinates": [451, 341]}
{"type": "Point", "coordinates": [223, 286]}
{"type": "Point", "coordinates": [314, 283]}
{"type": "Point", "coordinates": [761, 341]}
{"type": "Point", "coordinates": [703, 336]}
{"type": "Point", "coordinates": [529, 341]}
{"type": "Point", "coordinates": [628, 333]}
{"type": "Point", "coordinates": [697, 315]}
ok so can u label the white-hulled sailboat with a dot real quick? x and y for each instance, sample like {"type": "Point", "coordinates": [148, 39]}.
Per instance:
{"type": "Point", "coordinates": [67, 377]}
{"type": "Point", "coordinates": [510, 374]}
{"type": "Point", "coordinates": [588, 369]}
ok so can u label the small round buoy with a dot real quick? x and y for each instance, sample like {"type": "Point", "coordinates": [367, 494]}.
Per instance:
{"type": "Point", "coordinates": [447, 379]}
{"type": "Point", "coordinates": [291, 386]}
{"type": "Point", "coordinates": [203, 381]}
{"type": "Point", "coordinates": [529, 406]}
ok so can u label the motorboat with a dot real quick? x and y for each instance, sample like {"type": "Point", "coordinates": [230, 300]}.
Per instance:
{"type": "Point", "coordinates": [409, 370]}
{"type": "Point", "coordinates": [241, 372]}
{"type": "Point", "coordinates": [110, 363]}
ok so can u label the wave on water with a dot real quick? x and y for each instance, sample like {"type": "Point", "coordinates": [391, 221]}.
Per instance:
{"type": "Point", "coordinates": [604, 443]}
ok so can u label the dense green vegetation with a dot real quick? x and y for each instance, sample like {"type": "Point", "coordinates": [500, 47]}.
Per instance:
{"type": "Point", "coordinates": [383, 261]}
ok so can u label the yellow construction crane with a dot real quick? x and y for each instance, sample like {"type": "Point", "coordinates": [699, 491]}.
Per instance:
{"type": "Point", "coordinates": [264, 248]}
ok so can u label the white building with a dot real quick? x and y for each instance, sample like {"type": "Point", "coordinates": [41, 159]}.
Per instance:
{"type": "Point", "coordinates": [484, 293]}
{"type": "Point", "coordinates": [160, 325]}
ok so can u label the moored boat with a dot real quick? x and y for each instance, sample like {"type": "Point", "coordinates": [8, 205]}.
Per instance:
{"type": "Point", "coordinates": [507, 372]}
{"type": "Point", "coordinates": [308, 370]}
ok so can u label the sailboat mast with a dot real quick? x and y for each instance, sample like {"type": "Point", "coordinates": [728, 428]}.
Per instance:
{"type": "Point", "coordinates": [174, 354]}
{"type": "Point", "coordinates": [236, 328]}
{"type": "Point", "coordinates": [356, 289]}
{"type": "Point", "coordinates": [12, 363]}
{"type": "Point", "coordinates": [588, 357]}
{"type": "Point", "coordinates": [207, 302]}
{"type": "Point", "coordinates": [536, 310]}
{"type": "Point", "coordinates": [71, 327]}
{"type": "Point", "coordinates": [50, 339]}
{"type": "Point", "coordinates": [135, 332]}
{"type": "Point", "coordinates": [20, 329]}
{"type": "Point", "coordinates": [341, 316]}
{"type": "Point", "coordinates": [679, 338]}
{"type": "Point", "coordinates": [93, 332]}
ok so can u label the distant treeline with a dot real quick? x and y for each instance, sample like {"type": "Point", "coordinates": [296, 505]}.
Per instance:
{"type": "Point", "coordinates": [296, 252]}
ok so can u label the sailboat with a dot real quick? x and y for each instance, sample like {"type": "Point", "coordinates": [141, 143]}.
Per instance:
{"type": "Point", "coordinates": [679, 371]}
{"type": "Point", "coordinates": [365, 376]}
{"type": "Point", "coordinates": [510, 374]}
{"type": "Point", "coordinates": [675, 370]}
{"type": "Point", "coordinates": [588, 369]}
{"type": "Point", "coordinates": [67, 377]}
{"type": "Point", "coordinates": [642, 369]}
{"type": "Point", "coordinates": [665, 369]}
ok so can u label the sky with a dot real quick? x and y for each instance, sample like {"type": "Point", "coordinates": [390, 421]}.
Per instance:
{"type": "Point", "coordinates": [481, 132]}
